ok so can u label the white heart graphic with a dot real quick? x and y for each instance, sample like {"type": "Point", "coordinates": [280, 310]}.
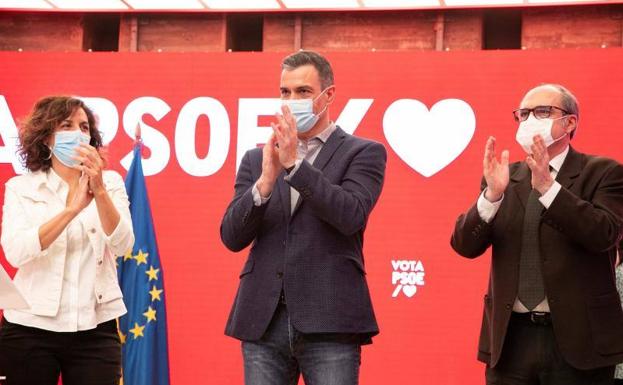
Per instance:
{"type": "Point", "coordinates": [409, 290]}
{"type": "Point", "coordinates": [427, 140]}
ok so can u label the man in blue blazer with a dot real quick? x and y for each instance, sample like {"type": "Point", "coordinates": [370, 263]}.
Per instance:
{"type": "Point", "coordinates": [303, 202]}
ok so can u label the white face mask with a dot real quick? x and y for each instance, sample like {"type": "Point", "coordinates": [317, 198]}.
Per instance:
{"type": "Point", "coordinates": [533, 126]}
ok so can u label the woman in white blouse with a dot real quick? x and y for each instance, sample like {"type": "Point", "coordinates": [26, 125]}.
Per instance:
{"type": "Point", "coordinates": [63, 224]}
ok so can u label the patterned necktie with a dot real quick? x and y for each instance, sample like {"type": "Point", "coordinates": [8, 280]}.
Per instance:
{"type": "Point", "coordinates": [531, 290]}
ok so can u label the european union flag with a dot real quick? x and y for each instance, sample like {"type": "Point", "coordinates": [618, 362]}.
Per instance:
{"type": "Point", "coordinates": [143, 330]}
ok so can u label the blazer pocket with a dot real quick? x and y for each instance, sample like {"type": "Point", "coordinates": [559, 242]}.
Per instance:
{"type": "Point", "coordinates": [247, 268]}
{"type": "Point", "coordinates": [606, 319]}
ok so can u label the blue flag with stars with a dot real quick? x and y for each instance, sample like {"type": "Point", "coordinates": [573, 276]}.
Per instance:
{"type": "Point", "coordinates": [143, 330]}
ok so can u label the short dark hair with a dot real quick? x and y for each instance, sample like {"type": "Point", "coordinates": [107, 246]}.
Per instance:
{"type": "Point", "coordinates": [320, 63]}
{"type": "Point", "coordinates": [40, 125]}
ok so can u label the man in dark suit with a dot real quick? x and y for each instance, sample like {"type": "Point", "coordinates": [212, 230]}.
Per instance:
{"type": "Point", "coordinates": [552, 314]}
{"type": "Point", "coordinates": [302, 202]}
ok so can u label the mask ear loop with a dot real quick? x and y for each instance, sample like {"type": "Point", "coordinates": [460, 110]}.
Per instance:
{"type": "Point", "coordinates": [565, 133]}
{"type": "Point", "coordinates": [326, 105]}
{"type": "Point", "coordinates": [50, 153]}
{"type": "Point", "coordinates": [323, 110]}
{"type": "Point", "coordinates": [576, 125]}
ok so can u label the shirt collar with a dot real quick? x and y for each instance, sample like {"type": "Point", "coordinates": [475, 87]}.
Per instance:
{"type": "Point", "coordinates": [39, 178]}
{"type": "Point", "coordinates": [557, 161]}
{"type": "Point", "coordinates": [326, 133]}
{"type": "Point", "coordinates": [52, 180]}
{"type": "Point", "coordinates": [322, 136]}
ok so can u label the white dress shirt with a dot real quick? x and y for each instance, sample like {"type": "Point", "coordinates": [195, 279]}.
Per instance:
{"type": "Point", "coordinates": [89, 293]}
{"type": "Point", "coordinates": [487, 211]}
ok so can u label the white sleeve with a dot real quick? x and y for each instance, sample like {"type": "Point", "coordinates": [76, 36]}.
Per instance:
{"type": "Point", "coordinates": [122, 238]}
{"type": "Point", "coordinates": [549, 196]}
{"type": "Point", "coordinates": [258, 199]}
{"type": "Point", "coordinates": [20, 238]}
{"type": "Point", "coordinates": [486, 209]}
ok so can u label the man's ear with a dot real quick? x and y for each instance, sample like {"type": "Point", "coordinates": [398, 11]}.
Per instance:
{"type": "Point", "coordinates": [330, 94]}
{"type": "Point", "coordinates": [572, 124]}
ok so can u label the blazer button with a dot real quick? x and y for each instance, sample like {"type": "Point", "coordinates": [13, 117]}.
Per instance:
{"type": "Point", "coordinates": [99, 296]}
{"type": "Point", "coordinates": [92, 231]}
{"type": "Point", "coordinates": [508, 306]}
{"type": "Point", "coordinates": [100, 262]}
{"type": "Point", "coordinates": [279, 274]}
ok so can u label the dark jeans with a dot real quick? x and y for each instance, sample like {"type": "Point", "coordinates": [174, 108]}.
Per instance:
{"type": "Point", "coordinates": [31, 356]}
{"type": "Point", "coordinates": [530, 356]}
{"type": "Point", "coordinates": [283, 354]}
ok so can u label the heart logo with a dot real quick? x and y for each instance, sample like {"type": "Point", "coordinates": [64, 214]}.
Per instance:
{"type": "Point", "coordinates": [427, 140]}
{"type": "Point", "coordinates": [409, 290]}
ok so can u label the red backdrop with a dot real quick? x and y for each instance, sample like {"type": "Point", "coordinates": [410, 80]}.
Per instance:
{"type": "Point", "coordinates": [199, 112]}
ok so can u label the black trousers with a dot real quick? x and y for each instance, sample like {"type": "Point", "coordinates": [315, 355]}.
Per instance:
{"type": "Point", "coordinates": [32, 356]}
{"type": "Point", "coordinates": [530, 356]}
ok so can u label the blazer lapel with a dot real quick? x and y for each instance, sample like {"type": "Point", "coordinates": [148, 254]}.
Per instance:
{"type": "Point", "coordinates": [521, 182]}
{"type": "Point", "coordinates": [571, 168]}
{"type": "Point", "coordinates": [326, 152]}
{"type": "Point", "coordinates": [328, 149]}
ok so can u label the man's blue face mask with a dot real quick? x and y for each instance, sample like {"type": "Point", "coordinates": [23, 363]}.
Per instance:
{"type": "Point", "coordinates": [303, 112]}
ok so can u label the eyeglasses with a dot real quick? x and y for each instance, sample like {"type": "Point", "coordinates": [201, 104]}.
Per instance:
{"type": "Point", "coordinates": [539, 112]}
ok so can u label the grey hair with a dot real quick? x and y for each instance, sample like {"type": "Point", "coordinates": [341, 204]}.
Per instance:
{"type": "Point", "coordinates": [320, 63]}
{"type": "Point", "coordinates": [568, 101]}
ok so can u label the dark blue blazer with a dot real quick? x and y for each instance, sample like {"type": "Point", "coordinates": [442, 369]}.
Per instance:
{"type": "Point", "coordinates": [316, 254]}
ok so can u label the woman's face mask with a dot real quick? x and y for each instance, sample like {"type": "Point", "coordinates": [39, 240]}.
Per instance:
{"type": "Point", "coordinates": [65, 145]}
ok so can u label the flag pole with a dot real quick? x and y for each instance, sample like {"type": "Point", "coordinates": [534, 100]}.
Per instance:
{"type": "Point", "coordinates": [137, 134]}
